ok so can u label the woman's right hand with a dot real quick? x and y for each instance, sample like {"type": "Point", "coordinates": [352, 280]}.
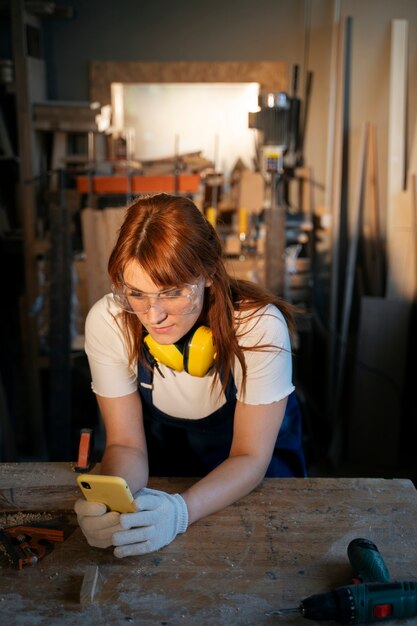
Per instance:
{"type": "Point", "coordinates": [97, 524]}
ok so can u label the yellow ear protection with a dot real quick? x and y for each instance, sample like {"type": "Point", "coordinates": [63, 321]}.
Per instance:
{"type": "Point", "coordinates": [194, 353]}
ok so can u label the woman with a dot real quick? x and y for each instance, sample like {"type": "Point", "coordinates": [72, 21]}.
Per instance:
{"type": "Point", "coordinates": [192, 373]}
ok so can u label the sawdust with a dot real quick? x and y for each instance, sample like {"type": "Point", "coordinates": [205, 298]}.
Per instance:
{"type": "Point", "coordinates": [23, 518]}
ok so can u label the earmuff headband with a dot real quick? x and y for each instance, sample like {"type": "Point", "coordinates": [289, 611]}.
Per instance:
{"type": "Point", "coordinates": [195, 353]}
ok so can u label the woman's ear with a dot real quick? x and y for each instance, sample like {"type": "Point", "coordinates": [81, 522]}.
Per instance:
{"type": "Point", "coordinates": [208, 282]}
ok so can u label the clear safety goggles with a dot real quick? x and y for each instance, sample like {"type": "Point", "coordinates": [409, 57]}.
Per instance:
{"type": "Point", "coordinates": [174, 301]}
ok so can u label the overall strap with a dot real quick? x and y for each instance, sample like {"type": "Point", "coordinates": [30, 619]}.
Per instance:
{"type": "Point", "coordinates": [145, 384]}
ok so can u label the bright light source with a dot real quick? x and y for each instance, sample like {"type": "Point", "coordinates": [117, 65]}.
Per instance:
{"type": "Point", "coordinates": [211, 118]}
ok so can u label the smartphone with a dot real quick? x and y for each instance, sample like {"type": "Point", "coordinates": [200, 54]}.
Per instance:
{"type": "Point", "coordinates": [112, 490]}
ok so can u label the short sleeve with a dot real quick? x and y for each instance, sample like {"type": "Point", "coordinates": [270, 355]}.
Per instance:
{"type": "Point", "coordinates": [106, 352]}
{"type": "Point", "coordinates": [269, 369]}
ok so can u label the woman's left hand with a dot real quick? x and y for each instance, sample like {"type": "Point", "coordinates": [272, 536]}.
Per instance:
{"type": "Point", "coordinates": [160, 518]}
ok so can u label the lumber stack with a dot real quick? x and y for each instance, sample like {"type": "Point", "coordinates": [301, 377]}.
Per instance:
{"type": "Point", "coordinates": [374, 278]}
{"type": "Point", "coordinates": [378, 410]}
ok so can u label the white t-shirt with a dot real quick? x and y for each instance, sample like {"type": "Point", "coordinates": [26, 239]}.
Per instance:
{"type": "Point", "coordinates": [269, 371]}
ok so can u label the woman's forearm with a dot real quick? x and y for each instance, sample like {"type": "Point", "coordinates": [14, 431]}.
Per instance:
{"type": "Point", "coordinates": [130, 463]}
{"type": "Point", "coordinates": [255, 431]}
{"type": "Point", "coordinates": [125, 452]}
{"type": "Point", "coordinates": [234, 478]}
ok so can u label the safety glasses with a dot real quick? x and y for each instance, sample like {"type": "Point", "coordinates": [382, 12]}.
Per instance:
{"type": "Point", "coordinates": [174, 301]}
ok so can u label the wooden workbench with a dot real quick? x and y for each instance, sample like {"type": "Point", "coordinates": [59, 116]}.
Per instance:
{"type": "Point", "coordinates": [283, 542]}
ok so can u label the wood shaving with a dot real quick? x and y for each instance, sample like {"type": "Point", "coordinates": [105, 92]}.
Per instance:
{"type": "Point", "coordinates": [23, 518]}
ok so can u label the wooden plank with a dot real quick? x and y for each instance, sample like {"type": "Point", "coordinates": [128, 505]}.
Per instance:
{"type": "Point", "coordinates": [251, 191]}
{"type": "Point", "coordinates": [373, 244]}
{"type": "Point", "coordinates": [334, 112]}
{"type": "Point", "coordinates": [37, 487]}
{"type": "Point", "coordinates": [397, 111]}
{"type": "Point", "coordinates": [353, 245]}
{"type": "Point", "coordinates": [402, 278]}
{"type": "Point", "coordinates": [396, 151]}
{"type": "Point", "coordinates": [336, 447]}
{"type": "Point", "coordinates": [100, 230]}
{"type": "Point", "coordinates": [337, 180]}
{"type": "Point", "coordinates": [113, 219]}
{"type": "Point", "coordinates": [94, 236]}
{"type": "Point", "coordinates": [412, 168]}
{"type": "Point", "coordinates": [34, 426]}
{"type": "Point", "coordinates": [65, 116]}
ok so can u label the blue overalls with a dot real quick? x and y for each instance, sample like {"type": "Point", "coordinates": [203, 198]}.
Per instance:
{"type": "Point", "coordinates": [186, 447]}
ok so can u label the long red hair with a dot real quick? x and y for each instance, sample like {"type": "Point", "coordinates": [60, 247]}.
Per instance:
{"type": "Point", "coordinates": [174, 244]}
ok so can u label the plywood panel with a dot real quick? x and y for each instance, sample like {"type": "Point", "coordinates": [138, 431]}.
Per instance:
{"type": "Point", "coordinates": [272, 75]}
{"type": "Point", "coordinates": [100, 229]}
{"type": "Point", "coordinates": [376, 410]}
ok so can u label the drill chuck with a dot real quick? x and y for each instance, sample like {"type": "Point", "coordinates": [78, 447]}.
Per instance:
{"type": "Point", "coordinates": [365, 603]}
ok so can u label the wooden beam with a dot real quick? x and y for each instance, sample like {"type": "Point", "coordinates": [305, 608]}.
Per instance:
{"type": "Point", "coordinates": [59, 371]}
{"type": "Point", "coordinates": [373, 244]}
{"type": "Point", "coordinates": [396, 145]}
{"type": "Point", "coordinates": [337, 203]}
{"type": "Point", "coordinates": [34, 424]}
{"type": "Point", "coordinates": [336, 447]}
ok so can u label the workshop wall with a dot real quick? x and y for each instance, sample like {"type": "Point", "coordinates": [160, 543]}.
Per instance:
{"type": "Point", "coordinates": [185, 30]}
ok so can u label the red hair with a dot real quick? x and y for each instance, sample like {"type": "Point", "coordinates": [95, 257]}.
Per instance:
{"type": "Point", "coordinates": [174, 244]}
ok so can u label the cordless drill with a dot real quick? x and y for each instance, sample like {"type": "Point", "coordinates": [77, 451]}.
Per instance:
{"type": "Point", "coordinates": [375, 599]}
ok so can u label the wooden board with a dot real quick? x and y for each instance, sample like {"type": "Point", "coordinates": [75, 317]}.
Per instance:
{"type": "Point", "coordinates": [336, 447]}
{"type": "Point", "coordinates": [397, 114]}
{"type": "Point", "coordinates": [372, 235]}
{"type": "Point", "coordinates": [251, 191]}
{"type": "Point", "coordinates": [402, 241]}
{"type": "Point", "coordinates": [271, 75]}
{"type": "Point", "coordinates": [267, 551]}
{"type": "Point", "coordinates": [376, 408]}
{"type": "Point", "coordinates": [99, 230]}
{"type": "Point", "coordinates": [337, 204]}
{"type": "Point", "coordinates": [397, 208]}
{"type": "Point", "coordinates": [402, 276]}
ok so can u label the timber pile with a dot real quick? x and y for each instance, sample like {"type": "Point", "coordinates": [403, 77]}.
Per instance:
{"type": "Point", "coordinates": [378, 415]}
{"type": "Point", "coordinates": [382, 272]}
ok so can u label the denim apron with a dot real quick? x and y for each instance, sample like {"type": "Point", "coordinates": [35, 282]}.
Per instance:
{"type": "Point", "coordinates": [186, 447]}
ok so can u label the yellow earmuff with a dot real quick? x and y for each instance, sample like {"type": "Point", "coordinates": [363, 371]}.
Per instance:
{"type": "Point", "coordinates": [195, 353]}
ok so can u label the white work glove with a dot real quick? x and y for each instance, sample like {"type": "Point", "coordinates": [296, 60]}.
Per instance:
{"type": "Point", "coordinates": [160, 518]}
{"type": "Point", "coordinates": [97, 524]}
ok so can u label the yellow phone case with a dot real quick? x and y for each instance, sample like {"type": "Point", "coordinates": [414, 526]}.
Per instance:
{"type": "Point", "coordinates": [112, 490]}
